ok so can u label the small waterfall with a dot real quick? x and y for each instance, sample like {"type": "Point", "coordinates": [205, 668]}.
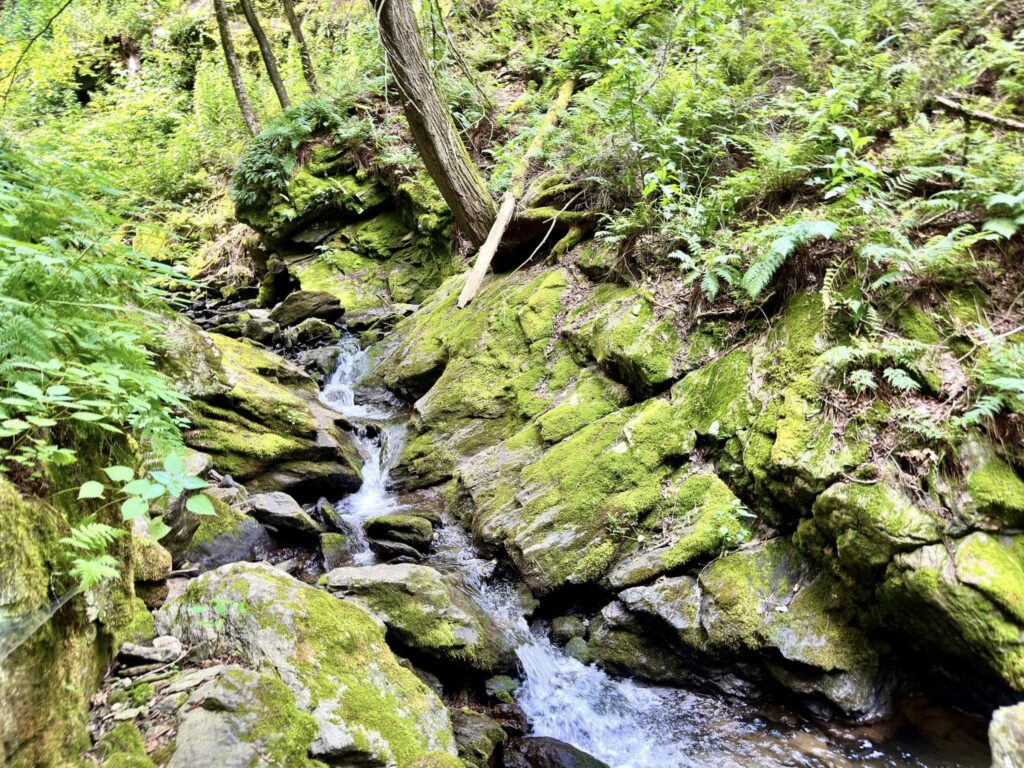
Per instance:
{"type": "Point", "coordinates": [379, 437]}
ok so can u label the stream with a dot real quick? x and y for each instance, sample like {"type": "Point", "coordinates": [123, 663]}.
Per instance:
{"type": "Point", "coordinates": [623, 722]}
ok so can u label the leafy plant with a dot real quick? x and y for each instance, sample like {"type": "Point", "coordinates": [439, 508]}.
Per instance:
{"type": "Point", "coordinates": [999, 378]}
{"type": "Point", "coordinates": [789, 238]}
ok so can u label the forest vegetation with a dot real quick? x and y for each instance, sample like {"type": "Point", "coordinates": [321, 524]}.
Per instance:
{"type": "Point", "coordinates": [702, 319]}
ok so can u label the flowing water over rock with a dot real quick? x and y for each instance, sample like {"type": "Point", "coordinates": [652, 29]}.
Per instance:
{"type": "Point", "coordinates": [624, 723]}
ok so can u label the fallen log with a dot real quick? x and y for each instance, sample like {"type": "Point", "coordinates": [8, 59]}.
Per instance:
{"type": "Point", "coordinates": [511, 197]}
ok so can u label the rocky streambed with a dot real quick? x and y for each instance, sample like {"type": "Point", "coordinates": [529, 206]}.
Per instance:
{"type": "Point", "coordinates": [337, 611]}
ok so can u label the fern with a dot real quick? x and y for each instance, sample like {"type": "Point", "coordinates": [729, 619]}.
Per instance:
{"type": "Point", "coordinates": [760, 273]}
{"type": "Point", "coordinates": [90, 540]}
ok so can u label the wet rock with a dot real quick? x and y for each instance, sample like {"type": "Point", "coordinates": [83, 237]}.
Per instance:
{"type": "Point", "coordinates": [336, 550]}
{"type": "Point", "coordinates": [302, 305]}
{"type": "Point", "coordinates": [427, 614]}
{"type": "Point", "coordinates": [621, 645]}
{"type": "Point", "coordinates": [578, 649]}
{"type": "Point", "coordinates": [395, 552]}
{"type": "Point", "coordinates": [319, 362]}
{"type": "Point", "coordinates": [565, 628]}
{"type": "Point", "coordinates": [545, 752]}
{"type": "Point", "coordinates": [501, 688]}
{"type": "Point", "coordinates": [282, 513]}
{"type": "Point", "coordinates": [1006, 737]}
{"type": "Point", "coordinates": [477, 736]}
{"type": "Point", "coordinates": [331, 655]}
{"type": "Point", "coordinates": [405, 529]}
{"type": "Point", "coordinates": [227, 724]}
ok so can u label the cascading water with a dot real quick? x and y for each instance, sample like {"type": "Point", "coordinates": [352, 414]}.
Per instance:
{"type": "Point", "coordinates": [624, 723]}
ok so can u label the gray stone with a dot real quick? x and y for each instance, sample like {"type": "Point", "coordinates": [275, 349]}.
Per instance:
{"type": "Point", "coordinates": [300, 305]}
{"type": "Point", "coordinates": [405, 529]}
{"type": "Point", "coordinates": [565, 628]}
{"type": "Point", "coordinates": [280, 511]}
{"type": "Point", "coordinates": [545, 752]}
{"type": "Point", "coordinates": [477, 735]}
{"type": "Point", "coordinates": [1006, 737]}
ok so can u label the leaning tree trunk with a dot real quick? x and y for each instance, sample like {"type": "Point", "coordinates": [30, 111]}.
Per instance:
{"type": "Point", "coordinates": [430, 122]}
{"type": "Point", "coordinates": [269, 60]}
{"type": "Point", "coordinates": [300, 40]}
{"type": "Point", "coordinates": [248, 115]}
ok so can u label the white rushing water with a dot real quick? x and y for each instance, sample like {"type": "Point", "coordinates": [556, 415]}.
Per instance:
{"type": "Point", "coordinates": [619, 721]}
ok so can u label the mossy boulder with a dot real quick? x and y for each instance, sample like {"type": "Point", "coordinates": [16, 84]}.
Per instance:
{"type": "Point", "coordinates": [771, 602]}
{"type": "Point", "coordinates": [227, 536]}
{"type": "Point", "coordinates": [478, 736]}
{"type": "Point", "coordinates": [406, 529]}
{"type": "Point", "coordinates": [54, 655]}
{"type": "Point", "coordinates": [619, 643]}
{"type": "Point", "coordinates": [152, 561]}
{"type": "Point", "coordinates": [269, 429]}
{"type": "Point", "coordinates": [329, 653]}
{"type": "Point", "coordinates": [427, 614]}
{"type": "Point", "coordinates": [962, 604]}
{"type": "Point", "coordinates": [122, 747]}
{"type": "Point", "coordinates": [619, 330]}
{"type": "Point", "coordinates": [869, 522]}
{"type": "Point", "coordinates": [995, 490]}
{"type": "Point", "coordinates": [304, 305]}
{"type": "Point", "coordinates": [698, 517]}
{"type": "Point", "coordinates": [191, 359]}
{"type": "Point", "coordinates": [316, 197]}
{"type": "Point", "coordinates": [242, 717]}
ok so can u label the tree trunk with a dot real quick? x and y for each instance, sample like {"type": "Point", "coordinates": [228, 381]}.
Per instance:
{"type": "Point", "coordinates": [430, 121]}
{"type": "Point", "coordinates": [248, 116]}
{"type": "Point", "coordinates": [269, 61]}
{"type": "Point", "coordinates": [300, 40]}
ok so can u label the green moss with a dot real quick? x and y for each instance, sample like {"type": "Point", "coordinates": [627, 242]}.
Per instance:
{"type": "Point", "coordinates": [226, 521]}
{"type": "Point", "coordinates": [141, 627]}
{"type": "Point", "coordinates": [283, 732]}
{"type": "Point", "coordinates": [712, 401]}
{"type": "Point", "coordinates": [714, 520]}
{"type": "Point", "coordinates": [437, 760]}
{"type": "Point", "coordinates": [591, 397]}
{"type": "Point", "coordinates": [594, 563]}
{"type": "Point", "coordinates": [998, 491]}
{"type": "Point", "coordinates": [123, 747]}
{"type": "Point", "coordinates": [994, 566]}
{"type": "Point", "coordinates": [618, 329]}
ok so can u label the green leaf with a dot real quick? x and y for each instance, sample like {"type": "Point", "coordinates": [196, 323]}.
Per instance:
{"type": "Point", "coordinates": [145, 488]}
{"type": "Point", "coordinates": [158, 528]}
{"type": "Point", "coordinates": [119, 473]}
{"type": "Point", "coordinates": [41, 421]}
{"type": "Point", "coordinates": [1002, 227]}
{"type": "Point", "coordinates": [200, 505]}
{"type": "Point", "coordinates": [174, 464]}
{"type": "Point", "coordinates": [193, 483]}
{"type": "Point", "coordinates": [86, 416]}
{"type": "Point", "coordinates": [28, 390]}
{"type": "Point", "coordinates": [133, 508]}
{"type": "Point", "coordinates": [91, 490]}
{"type": "Point", "coordinates": [15, 424]}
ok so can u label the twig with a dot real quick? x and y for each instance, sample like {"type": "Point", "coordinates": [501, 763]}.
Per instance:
{"type": "Point", "coordinates": [982, 117]}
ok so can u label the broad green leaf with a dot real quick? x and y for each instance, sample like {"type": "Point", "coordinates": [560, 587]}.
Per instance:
{"type": "Point", "coordinates": [1003, 227]}
{"type": "Point", "coordinates": [133, 508]}
{"type": "Point", "coordinates": [174, 465]}
{"type": "Point", "coordinates": [41, 421]}
{"type": "Point", "coordinates": [91, 489]}
{"type": "Point", "coordinates": [119, 473]}
{"type": "Point", "coordinates": [200, 505]}
{"type": "Point", "coordinates": [86, 416]}
{"type": "Point", "coordinates": [192, 483]}
{"type": "Point", "coordinates": [158, 528]}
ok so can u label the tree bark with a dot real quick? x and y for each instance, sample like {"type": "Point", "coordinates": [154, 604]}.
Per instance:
{"type": "Point", "coordinates": [244, 105]}
{"type": "Point", "coordinates": [307, 61]}
{"type": "Point", "coordinates": [269, 60]}
{"type": "Point", "coordinates": [430, 121]}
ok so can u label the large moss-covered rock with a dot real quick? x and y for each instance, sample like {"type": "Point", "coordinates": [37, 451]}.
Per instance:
{"type": "Point", "coordinates": [618, 329]}
{"type": "Point", "coordinates": [269, 429]}
{"type": "Point", "coordinates": [244, 718]}
{"type": "Point", "coordinates": [621, 644]}
{"type": "Point", "coordinates": [996, 491]}
{"type": "Point", "coordinates": [962, 603]}
{"type": "Point", "coordinates": [427, 614]}
{"type": "Point", "coordinates": [330, 654]}
{"type": "Point", "coordinates": [299, 306]}
{"type": "Point", "coordinates": [771, 602]}
{"type": "Point", "coordinates": [870, 522]}
{"type": "Point", "coordinates": [53, 651]}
